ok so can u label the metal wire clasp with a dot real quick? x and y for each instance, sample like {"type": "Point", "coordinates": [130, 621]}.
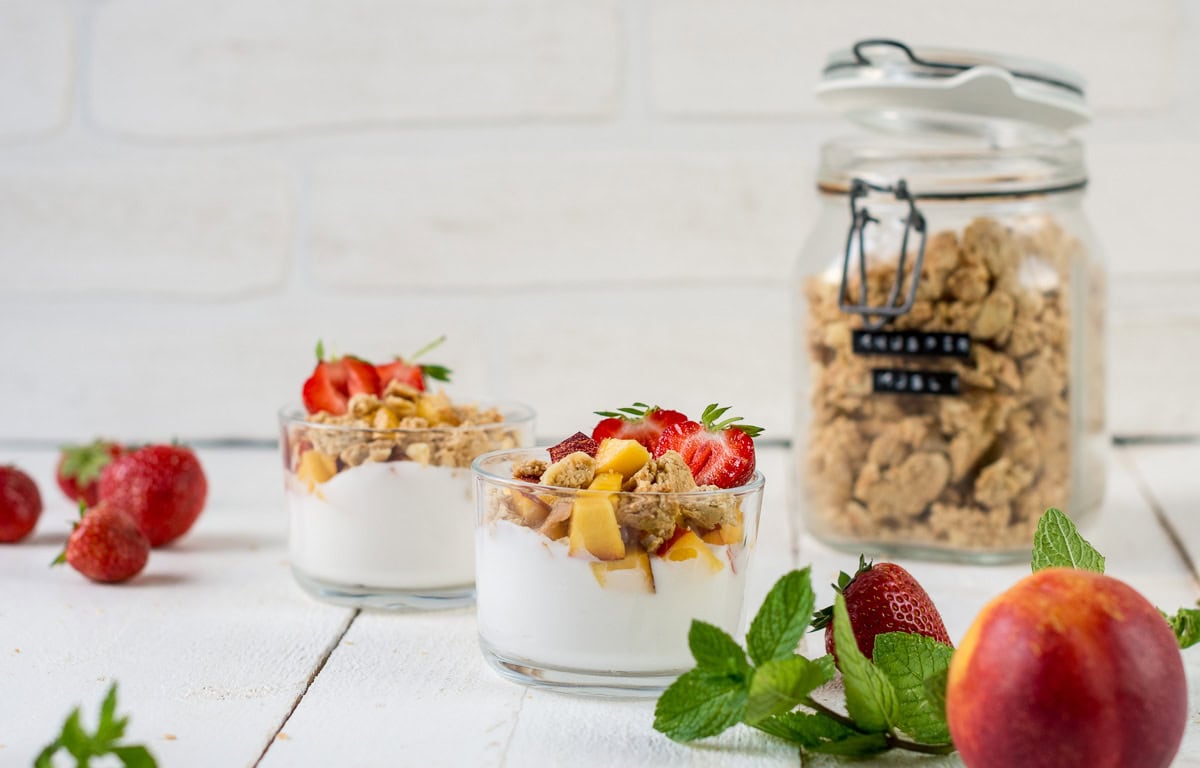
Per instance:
{"type": "Point", "coordinates": [860, 216]}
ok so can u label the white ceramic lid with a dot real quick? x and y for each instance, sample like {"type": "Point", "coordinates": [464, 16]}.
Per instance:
{"type": "Point", "coordinates": [887, 85]}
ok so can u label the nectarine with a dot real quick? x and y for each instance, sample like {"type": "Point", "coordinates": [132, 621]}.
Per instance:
{"type": "Point", "coordinates": [1067, 668]}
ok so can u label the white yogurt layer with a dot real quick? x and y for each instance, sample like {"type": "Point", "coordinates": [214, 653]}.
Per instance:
{"type": "Point", "coordinates": [396, 525]}
{"type": "Point", "coordinates": [536, 603]}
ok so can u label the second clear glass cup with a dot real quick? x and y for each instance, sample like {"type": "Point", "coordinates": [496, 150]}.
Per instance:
{"type": "Point", "coordinates": [563, 602]}
{"type": "Point", "coordinates": [383, 518]}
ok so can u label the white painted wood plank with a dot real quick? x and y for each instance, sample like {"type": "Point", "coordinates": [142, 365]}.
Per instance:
{"type": "Point", "coordinates": [211, 644]}
{"type": "Point", "coordinates": [1172, 477]}
{"type": "Point", "coordinates": [402, 689]}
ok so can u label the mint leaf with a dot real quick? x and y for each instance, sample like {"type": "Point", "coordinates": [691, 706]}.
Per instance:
{"type": "Point", "coordinates": [782, 619]}
{"type": "Point", "coordinates": [856, 745]}
{"type": "Point", "coordinates": [780, 684]}
{"type": "Point", "coordinates": [935, 691]}
{"type": "Point", "coordinates": [700, 704]}
{"type": "Point", "coordinates": [807, 729]}
{"type": "Point", "coordinates": [908, 660]}
{"type": "Point", "coordinates": [1057, 543]}
{"type": "Point", "coordinates": [83, 746]}
{"type": "Point", "coordinates": [135, 757]}
{"type": "Point", "coordinates": [1186, 626]}
{"type": "Point", "coordinates": [715, 651]}
{"type": "Point", "coordinates": [870, 699]}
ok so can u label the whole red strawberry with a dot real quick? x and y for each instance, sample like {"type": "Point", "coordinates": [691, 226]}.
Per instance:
{"type": "Point", "coordinates": [106, 545]}
{"type": "Point", "coordinates": [20, 504]}
{"type": "Point", "coordinates": [719, 453]}
{"type": "Point", "coordinates": [79, 468]}
{"type": "Point", "coordinates": [883, 598]}
{"type": "Point", "coordinates": [162, 487]}
{"type": "Point", "coordinates": [641, 422]}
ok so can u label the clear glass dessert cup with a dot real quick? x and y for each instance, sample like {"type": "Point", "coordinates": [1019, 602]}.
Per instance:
{"type": "Point", "coordinates": [384, 518]}
{"type": "Point", "coordinates": [568, 598]}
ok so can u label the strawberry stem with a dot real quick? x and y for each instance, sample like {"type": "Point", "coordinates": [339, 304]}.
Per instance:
{"type": "Point", "coordinates": [635, 412]}
{"type": "Point", "coordinates": [427, 348]}
{"type": "Point", "coordinates": [320, 351]}
{"type": "Point", "coordinates": [712, 414]}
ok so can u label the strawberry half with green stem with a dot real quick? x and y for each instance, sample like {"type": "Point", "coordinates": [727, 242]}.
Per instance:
{"type": "Point", "coordinates": [641, 422]}
{"type": "Point", "coordinates": [409, 371]}
{"type": "Point", "coordinates": [882, 598]}
{"type": "Point", "coordinates": [333, 382]}
{"type": "Point", "coordinates": [719, 452]}
{"type": "Point", "coordinates": [79, 467]}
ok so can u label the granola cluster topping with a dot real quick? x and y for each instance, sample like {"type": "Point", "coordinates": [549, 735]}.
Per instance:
{"type": "Point", "coordinates": [404, 424]}
{"type": "Point", "coordinates": [972, 470]}
{"type": "Point", "coordinates": [647, 513]}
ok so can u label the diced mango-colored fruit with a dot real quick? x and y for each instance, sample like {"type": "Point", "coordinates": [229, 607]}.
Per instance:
{"type": "Point", "coordinates": [724, 534]}
{"type": "Point", "coordinates": [623, 456]}
{"type": "Point", "coordinates": [530, 508]}
{"type": "Point", "coordinates": [315, 468]}
{"type": "Point", "coordinates": [635, 560]}
{"type": "Point", "coordinates": [385, 418]}
{"type": "Point", "coordinates": [594, 528]}
{"type": "Point", "coordinates": [689, 546]}
{"type": "Point", "coordinates": [606, 481]}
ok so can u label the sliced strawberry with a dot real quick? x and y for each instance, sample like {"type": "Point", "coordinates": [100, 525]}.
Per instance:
{"type": "Point", "coordinates": [641, 422]}
{"type": "Point", "coordinates": [334, 382]}
{"type": "Point", "coordinates": [576, 443]}
{"type": "Point", "coordinates": [662, 548]}
{"type": "Point", "coordinates": [719, 453]}
{"type": "Point", "coordinates": [400, 371]}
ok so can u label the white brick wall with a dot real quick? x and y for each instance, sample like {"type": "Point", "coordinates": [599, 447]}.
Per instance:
{"type": "Point", "coordinates": [598, 200]}
{"type": "Point", "coordinates": [36, 60]}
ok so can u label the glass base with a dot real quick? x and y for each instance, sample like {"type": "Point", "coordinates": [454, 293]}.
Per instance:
{"type": "Point", "coordinates": [385, 598]}
{"type": "Point", "coordinates": [608, 684]}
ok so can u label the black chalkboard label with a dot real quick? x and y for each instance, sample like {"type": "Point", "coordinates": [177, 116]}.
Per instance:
{"type": "Point", "coordinates": [911, 343]}
{"type": "Point", "coordinates": [897, 381]}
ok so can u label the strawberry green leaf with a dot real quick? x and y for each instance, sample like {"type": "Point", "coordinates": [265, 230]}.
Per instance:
{"type": "Point", "coordinates": [701, 704]}
{"type": "Point", "coordinates": [870, 698]}
{"type": "Point", "coordinates": [782, 619]}
{"type": "Point", "coordinates": [715, 651]}
{"type": "Point", "coordinates": [808, 729]}
{"type": "Point", "coordinates": [83, 463]}
{"type": "Point", "coordinates": [436, 372]}
{"type": "Point", "coordinates": [1186, 626]}
{"type": "Point", "coordinates": [320, 351]}
{"type": "Point", "coordinates": [780, 684]}
{"type": "Point", "coordinates": [1057, 543]}
{"type": "Point", "coordinates": [908, 661]}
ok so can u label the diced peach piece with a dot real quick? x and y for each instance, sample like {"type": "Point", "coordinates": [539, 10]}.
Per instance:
{"type": "Point", "coordinates": [594, 528]}
{"type": "Point", "coordinates": [315, 468]}
{"type": "Point", "coordinates": [724, 535]}
{"type": "Point", "coordinates": [689, 546]}
{"type": "Point", "coordinates": [606, 481]}
{"type": "Point", "coordinates": [635, 560]}
{"type": "Point", "coordinates": [531, 509]}
{"type": "Point", "coordinates": [623, 456]}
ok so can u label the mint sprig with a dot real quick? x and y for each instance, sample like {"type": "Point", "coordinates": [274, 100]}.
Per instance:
{"type": "Point", "coordinates": [1057, 543]}
{"type": "Point", "coordinates": [1186, 626]}
{"type": "Point", "coordinates": [83, 746]}
{"type": "Point", "coordinates": [770, 687]}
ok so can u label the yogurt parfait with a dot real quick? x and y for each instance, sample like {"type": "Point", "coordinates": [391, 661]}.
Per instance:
{"type": "Point", "coordinates": [378, 485]}
{"type": "Point", "coordinates": [594, 556]}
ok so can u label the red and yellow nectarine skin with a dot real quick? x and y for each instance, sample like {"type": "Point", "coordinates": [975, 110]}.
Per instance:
{"type": "Point", "coordinates": [1068, 668]}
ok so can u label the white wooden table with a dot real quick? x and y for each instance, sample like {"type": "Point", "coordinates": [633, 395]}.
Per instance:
{"type": "Point", "coordinates": [223, 661]}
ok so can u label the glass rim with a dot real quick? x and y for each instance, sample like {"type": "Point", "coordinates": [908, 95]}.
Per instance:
{"type": "Point", "coordinates": [515, 414]}
{"type": "Point", "coordinates": [756, 483]}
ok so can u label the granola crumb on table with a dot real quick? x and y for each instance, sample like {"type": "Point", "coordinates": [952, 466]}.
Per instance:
{"type": "Point", "coordinates": [969, 471]}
